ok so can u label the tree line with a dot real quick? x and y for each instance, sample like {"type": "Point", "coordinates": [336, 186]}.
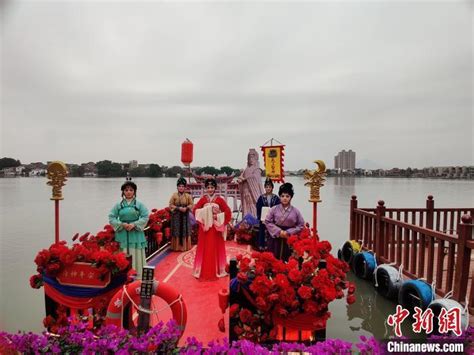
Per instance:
{"type": "Point", "coordinates": [9, 163]}
{"type": "Point", "coordinates": [107, 168]}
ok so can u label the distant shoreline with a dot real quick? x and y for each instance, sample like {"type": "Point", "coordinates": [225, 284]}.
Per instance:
{"type": "Point", "coordinates": [292, 175]}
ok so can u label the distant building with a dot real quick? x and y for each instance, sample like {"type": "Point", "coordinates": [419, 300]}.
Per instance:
{"type": "Point", "coordinates": [89, 169]}
{"type": "Point", "coordinates": [37, 172]}
{"type": "Point", "coordinates": [133, 164]}
{"type": "Point", "coordinates": [345, 160]}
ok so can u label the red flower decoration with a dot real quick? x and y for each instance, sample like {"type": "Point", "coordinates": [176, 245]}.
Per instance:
{"type": "Point", "coordinates": [280, 289]}
{"type": "Point", "coordinates": [100, 250]}
{"type": "Point", "coordinates": [304, 292]}
{"type": "Point", "coordinates": [351, 299]}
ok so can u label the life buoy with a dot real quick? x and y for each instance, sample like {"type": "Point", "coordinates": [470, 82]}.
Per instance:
{"type": "Point", "coordinates": [415, 293]}
{"type": "Point", "coordinates": [349, 249]}
{"type": "Point", "coordinates": [437, 305]}
{"type": "Point", "coordinates": [364, 265]}
{"type": "Point", "coordinates": [388, 281]}
{"type": "Point", "coordinates": [132, 292]}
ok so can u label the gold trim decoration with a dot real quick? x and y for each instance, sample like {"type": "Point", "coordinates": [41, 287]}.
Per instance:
{"type": "Point", "coordinates": [56, 174]}
{"type": "Point", "coordinates": [315, 180]}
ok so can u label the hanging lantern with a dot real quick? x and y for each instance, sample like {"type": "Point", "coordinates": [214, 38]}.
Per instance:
{"type": "Point", "coordinates": [187, 152]}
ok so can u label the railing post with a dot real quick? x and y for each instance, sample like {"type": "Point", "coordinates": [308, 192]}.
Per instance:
{"type": "Point", "coordinates": [379, 230]}
{"type": "Point", "coordinates": [352, 217]}
{"type": "Point", "coordinates": [429, 212]}
{"type": "Point", "coordinates": [461, 272]}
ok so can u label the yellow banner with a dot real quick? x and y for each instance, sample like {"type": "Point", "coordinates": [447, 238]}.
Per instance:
{"type": "Point", "coordinates": [273, 157]}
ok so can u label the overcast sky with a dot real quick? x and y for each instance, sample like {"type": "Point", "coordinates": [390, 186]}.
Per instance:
{"type": "Point", "coordinates": [93, 80]}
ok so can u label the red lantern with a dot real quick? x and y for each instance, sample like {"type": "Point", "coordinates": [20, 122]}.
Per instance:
{"type": "Point", "coordinates": [187, 152]}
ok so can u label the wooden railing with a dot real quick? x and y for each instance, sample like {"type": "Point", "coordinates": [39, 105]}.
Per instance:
{"type": "Point", "coordinates": [152, 246]}
{"type": "Point", "coordinates": [431, 243]}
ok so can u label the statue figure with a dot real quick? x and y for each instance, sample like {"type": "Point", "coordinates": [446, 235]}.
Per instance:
{"type": "Point", "coordinates": [250, 184]}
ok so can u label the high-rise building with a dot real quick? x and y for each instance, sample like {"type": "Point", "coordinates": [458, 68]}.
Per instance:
{"type": "Point", "coordinates": [133, 164]}
{"type": "Point", "coordinates": [345, 160]}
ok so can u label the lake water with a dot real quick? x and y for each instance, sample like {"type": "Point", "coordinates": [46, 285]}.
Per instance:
{"type": "Point", "coordinates": [27, 226]}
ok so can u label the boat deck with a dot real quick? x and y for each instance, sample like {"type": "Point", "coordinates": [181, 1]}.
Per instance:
{"type": "Point", "coordinates": [201, 298]}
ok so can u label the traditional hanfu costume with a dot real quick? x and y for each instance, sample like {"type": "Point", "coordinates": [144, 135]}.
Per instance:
{"type": "Point", "coordinates": [132, 242]}
{"type": "Point", "coordinates": [288, 219]}
{"type": "Point", "coordinates": [180, 226]}
{"type": "Point", "coordinates": [264, 203]}
{"type": "Point", "coordinates": [210, 259]}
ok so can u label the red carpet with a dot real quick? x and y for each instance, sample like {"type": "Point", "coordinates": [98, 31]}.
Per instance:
{"type": "Point", "coordinates": [201, 298]}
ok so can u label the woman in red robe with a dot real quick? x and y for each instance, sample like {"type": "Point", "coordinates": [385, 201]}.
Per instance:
{"type": "Point", "coordinates": [212, 215]}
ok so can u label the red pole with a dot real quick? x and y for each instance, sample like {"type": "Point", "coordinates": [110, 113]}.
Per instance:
{"type": "Point", "coordinates": [315, 219]}
{"type": "Point", "coordinates": [56, 220]}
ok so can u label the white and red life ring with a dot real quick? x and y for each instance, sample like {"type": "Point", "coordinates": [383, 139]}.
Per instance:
{"type": "Point", "coordinates": [132, 292]}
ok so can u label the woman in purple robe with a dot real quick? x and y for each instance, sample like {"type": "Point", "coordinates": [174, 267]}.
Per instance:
{"type": "Point", "coordinates": [282, 221]}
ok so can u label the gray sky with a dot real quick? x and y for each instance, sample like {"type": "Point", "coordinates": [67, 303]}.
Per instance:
{"type": "Point", "coordinates": [87, 81]}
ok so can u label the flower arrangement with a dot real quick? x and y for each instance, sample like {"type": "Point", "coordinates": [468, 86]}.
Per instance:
{"type": "Point", "coordinates": [243, 233]}
{"type": "Point", "coordinates": [100, 250]}
{"type": "Point", "coordinates": [159, 219]}
{"type": "Point", "coordinates": [306, 284]}
{"type": "Point", "coordinates": [53, 324]}
{"type": "Point", "coordinates": [246, 230]}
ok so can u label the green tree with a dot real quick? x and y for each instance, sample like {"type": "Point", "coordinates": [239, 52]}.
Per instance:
{"type": "Point", "coordinates": [106, 168]}
{"type": "Point", "coordinates": [77, 171]}
{"type": "Point", "coordinates": [174, 171]}
{"type": "Point", "coordinates": [138, 172]}
{"type": "Point", "coordinates": [155, 170]}
{"type": "Point", "coordinates": [226, 170]}
{"type": "Point", "coordinates": [9, 163]}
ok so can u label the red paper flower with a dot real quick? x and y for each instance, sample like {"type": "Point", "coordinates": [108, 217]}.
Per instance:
{"type": "Point", "coordinates": [351, 299]}
{"type": "Point", "coordinates": [304, 292]}
{"type": "Point", "coordinates": [36, 281]}
{"type": "Point", "coordinates": [234, 310]}
{"type": "Point", "coordinates": [245, 315]}
{"type": "Point", "coordinates": [242, 277]}
{"type": "Point", "coordinates": [295, 276]}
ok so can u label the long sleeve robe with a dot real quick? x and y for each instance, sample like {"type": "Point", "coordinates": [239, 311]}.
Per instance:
{"type": "Point", "coordinates": [263, 201]}
{"type": "Point", "coordinates": [133, 241]}
{"type": "Point", "coordinates": [278, 219]}
{"type": "Point", "coordinates": [210, 259]}
{"type": "Point", "coordinates": [180, 225]}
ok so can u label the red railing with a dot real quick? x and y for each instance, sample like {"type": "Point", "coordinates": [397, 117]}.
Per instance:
{"type": "Point", "coordinates": [431, 243]}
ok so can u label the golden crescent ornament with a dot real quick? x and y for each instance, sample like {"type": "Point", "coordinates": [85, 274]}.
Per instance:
{"type": "Point", "coordinates": [315, 180]}
{"type": "Point", "coordinates": [321, 166]}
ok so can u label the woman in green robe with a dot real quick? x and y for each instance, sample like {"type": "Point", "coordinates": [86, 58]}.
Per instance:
{"type": "Point", "coordinates": [128, 218]}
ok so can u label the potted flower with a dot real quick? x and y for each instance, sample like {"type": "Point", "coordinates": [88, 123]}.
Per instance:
{"type": "Point", "coordinates": [273, 295]}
